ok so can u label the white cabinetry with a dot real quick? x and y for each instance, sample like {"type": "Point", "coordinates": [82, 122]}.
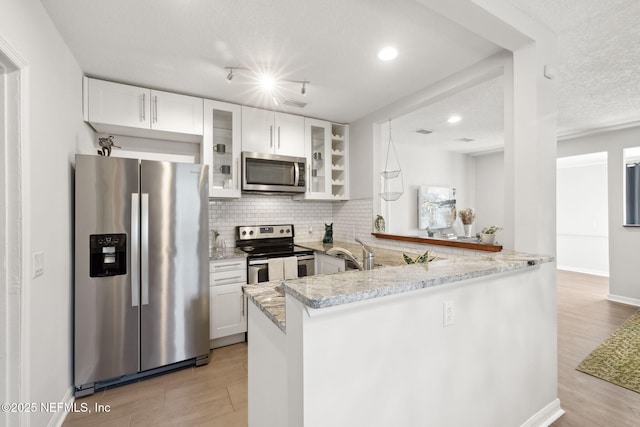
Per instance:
{"type": "Point", "coordinates": [327, 153]}
{"type": "Point", "coordinates": [265, 131]}
{"type": "Point", "coordinates": [136, 111]}
{"type": "Point", "coordinates": [317, 145]}
{"type": "Point", "coordinates": [326, 264]}
{"type": "Point", "coordinates": [221, 148]}
{"type": "Point", "coordinates": [228, 305]}
{"type": "Point", "coordinates": [339, 162]}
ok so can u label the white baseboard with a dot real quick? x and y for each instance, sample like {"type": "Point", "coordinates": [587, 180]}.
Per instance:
{"type": "Point", "coordinates": [624, 300]}
{"type": "Point", "coordinates": [584, 270]}
{"type": "Point", "coordinates": [59, 416]}
{"type": "Point", "coordinates": [545, 416]}
{"type": "Point", "coordinates": [228, 340]}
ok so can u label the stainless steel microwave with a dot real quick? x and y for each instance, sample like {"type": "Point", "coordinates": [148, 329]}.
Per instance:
{"type": "Point", "coordinates": [268, 173]}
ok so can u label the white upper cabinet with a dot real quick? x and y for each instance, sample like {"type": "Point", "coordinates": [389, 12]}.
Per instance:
{"type": "Point", "coordinates": [176, 113]}
{"type": "Point", "coordinates": [265, 131]}
{"type": "Point", "coordinates": [317, 141]}
{"type": "Point", "coordinates": [137, 111]}
{"type": "Point", "coordinates": [221, 148]}
{"type": "Point", "coordinates": [115, 103]}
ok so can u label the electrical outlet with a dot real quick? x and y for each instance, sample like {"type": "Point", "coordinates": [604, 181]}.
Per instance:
{"type": "Point", "coordinates": [38, 264]}
{"type": "Point", "coordinates": [449, 313]}
{"type": "Point", "coordinates": [310, 230]}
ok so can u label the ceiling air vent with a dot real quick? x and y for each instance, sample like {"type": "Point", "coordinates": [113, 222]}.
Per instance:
{"type": "Point", "coordinates": [424, 131]}
{"type": "Point", "coordinates": [294, 103]}
{"type": "Point", "coordinates": [465, 139]}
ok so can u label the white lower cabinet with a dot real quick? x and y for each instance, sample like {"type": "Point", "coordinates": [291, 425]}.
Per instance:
{"type": "Point", "coordinates": [326, 264]}
{"type": "Point", "coordinates": [228, 305]}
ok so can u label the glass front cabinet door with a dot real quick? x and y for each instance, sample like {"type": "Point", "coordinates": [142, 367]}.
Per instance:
{"type": "Point", "coordinates": [317, 140]}
{"type": "Point", "coordinates": [221, 148]}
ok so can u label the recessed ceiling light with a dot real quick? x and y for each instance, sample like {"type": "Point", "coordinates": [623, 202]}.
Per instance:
{"type": "Point", "coordinates": [387, 53]}
{"type": "Point", "coordinates": [454, 119]}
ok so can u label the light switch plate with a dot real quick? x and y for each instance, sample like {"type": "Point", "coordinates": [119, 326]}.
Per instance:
{"type": "Point", "coordinates": [38, 264]}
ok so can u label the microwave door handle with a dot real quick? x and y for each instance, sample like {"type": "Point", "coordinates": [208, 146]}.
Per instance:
{"type": "Point", "coordinates": [296, 173]}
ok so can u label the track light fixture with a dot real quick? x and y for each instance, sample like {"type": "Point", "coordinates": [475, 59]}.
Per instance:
{"type": "Point", "coordinates": [232, 72]}
{"type": "Point", "coordinates": [264, 79]}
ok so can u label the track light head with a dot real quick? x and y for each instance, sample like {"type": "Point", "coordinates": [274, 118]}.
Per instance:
{"type": "Point", "coordinates": [230, 75]}
{"type": "Point", "coordinates": [303, 91]}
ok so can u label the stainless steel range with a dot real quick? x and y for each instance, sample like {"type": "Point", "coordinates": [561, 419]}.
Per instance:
{"type": "Point", "coordinates": [265, 242]}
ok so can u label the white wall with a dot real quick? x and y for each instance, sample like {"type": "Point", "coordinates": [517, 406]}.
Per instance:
{"type": "Point", "coordinates": [583, 243]}
{"type": "Point", "coordinates": [624, 242]}
{"type": "Point", "coordinates": [488, 180]}
{"type": "Point", "coordinates": [55, 132]}
{"type": "Point", "coordinates": [424, 165]}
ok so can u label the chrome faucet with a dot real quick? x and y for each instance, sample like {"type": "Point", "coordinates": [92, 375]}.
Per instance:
{"type": "Point", "coordinates": [367, 253]}
{"type": "Point", "coordinates": [345, 254]}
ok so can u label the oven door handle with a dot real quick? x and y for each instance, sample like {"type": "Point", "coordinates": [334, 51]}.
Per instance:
{"type": "Point", "coordinates": [258, 262]}
{"type": "Point", "coordinates": [306, 257]}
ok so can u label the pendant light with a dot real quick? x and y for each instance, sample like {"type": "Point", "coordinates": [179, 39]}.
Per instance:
{"type": "Point", "coordinates": [391, 173]}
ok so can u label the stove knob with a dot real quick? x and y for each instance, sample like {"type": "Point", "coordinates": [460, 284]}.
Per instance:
{"type": "Point", "coordinates": [288, 231]}
{"type": "Point", "coordinates": [251, 233]}
{"type": "Point", "coordinates": [244, 233]}
{"type": "Point", "coordinates": [281, 230]}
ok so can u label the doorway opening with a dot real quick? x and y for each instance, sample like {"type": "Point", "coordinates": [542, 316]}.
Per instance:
{"type": "Point", "coordinates": [582, 214]}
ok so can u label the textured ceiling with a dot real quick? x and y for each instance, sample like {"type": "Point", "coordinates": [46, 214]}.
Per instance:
{"type": "Point", "coordinates": [599, 60]}
{"type": "Point", "coordinates": [184, 45]}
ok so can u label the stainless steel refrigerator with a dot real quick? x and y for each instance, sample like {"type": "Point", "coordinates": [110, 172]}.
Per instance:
{"type": "Point", "coordinates": [141, 295]}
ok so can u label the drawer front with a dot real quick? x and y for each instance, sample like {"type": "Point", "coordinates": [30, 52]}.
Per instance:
{"type": "Point", "coordinates": [223, 265]}
{"type": "Point", "coordinates": [228, 277]}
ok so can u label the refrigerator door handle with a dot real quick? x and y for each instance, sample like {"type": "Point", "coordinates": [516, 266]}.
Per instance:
{"type": "Point", "coordinates": [144, 247]}
{"type": "Point", "coordinates": [135, 246]}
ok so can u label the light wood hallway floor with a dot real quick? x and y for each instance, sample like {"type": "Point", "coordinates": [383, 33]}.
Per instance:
{"type": "Point", "coordinates": [216, 394]}
{"type": "Point", "coordinates": [585, 319]}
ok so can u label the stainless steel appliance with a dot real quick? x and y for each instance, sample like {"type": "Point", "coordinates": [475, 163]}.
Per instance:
{"type": "Point", "coordinates": [269, 173]}
{"type": "Point", "coordinates": [141, 295]}
{"type": "Point", "coordinates": [263, 242]}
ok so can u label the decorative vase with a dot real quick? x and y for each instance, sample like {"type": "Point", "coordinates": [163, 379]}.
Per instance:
{"type": "Point", "coordinates": [467, 230]}
{"type": "Point", "coordinates": [487, 239]}
{"type": "Point", "coordinates": [380, 224]}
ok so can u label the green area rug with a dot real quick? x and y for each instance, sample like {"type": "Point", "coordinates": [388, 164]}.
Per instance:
{"type": "Point", "coordinates": [617, 359]}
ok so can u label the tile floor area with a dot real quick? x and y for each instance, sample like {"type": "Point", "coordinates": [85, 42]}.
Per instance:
{"type": "Point", "coordinates": [212, 395]}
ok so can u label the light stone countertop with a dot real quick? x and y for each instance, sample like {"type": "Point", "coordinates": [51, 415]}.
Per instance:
{"type": "Point", "coordinates": [270, 301]}
{"type": "Point", "coordinates": [352, 286]}
{"type": "Point", "coordinates": [227, 254]}
{"type": "Point", "coordinates": [394, 277]}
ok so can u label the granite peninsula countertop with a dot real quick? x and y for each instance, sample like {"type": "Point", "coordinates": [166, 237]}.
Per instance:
{"type": "Point", "coordinates": [394, 277]}
{"type": "Point", "coordinates": [269, 301]}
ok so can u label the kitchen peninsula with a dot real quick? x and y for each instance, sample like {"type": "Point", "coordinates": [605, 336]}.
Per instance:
{"type": "Point", "coordinates": [466, 340]}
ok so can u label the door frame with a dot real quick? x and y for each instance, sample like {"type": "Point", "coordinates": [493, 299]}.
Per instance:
{"type": "Point", "coordinates": [14, 186]}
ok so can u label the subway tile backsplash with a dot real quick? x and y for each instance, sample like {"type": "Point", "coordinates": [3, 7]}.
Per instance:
{"type": "Point", "coordinates": [225, 215]}
{"type": "Point", "coordinates": [353, 218]}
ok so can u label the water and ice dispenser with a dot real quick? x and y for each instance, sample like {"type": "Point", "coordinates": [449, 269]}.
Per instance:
{"type": "Point", "coordinates": [108, 255]}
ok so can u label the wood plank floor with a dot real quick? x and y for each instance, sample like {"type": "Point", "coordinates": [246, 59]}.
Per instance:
{"type": "Point", "coordinates": [212, 395]}
{"type": "Point", "coordinates": [585, 319]}
{"type": "Point", "coordinates": [216, 394]}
